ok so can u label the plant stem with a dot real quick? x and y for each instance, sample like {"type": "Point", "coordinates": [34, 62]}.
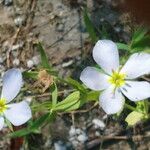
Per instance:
{"type": "Point", "coordinates": [130, 107]}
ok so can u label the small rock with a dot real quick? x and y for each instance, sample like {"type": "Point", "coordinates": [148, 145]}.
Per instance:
{"type": "Point", "coordinates": [105, 117]}
{"type": "Point", "coordinates": [8, 2]}
{"type": "Point", "coordinates": [82, 138]}
{"type": "Point", "coordinates": [36, 60]}
{"type": "Point", "coordinates": [59, 146]}
{"type": "Point", "coordinates": [73, 138]}
{"type": "Point", "coordinates": [78, 131]}
{"type": "Point", "coordinates": [1, 60]}
{"type": "Point", "coordinates": [98, 123]}
{"type": "Point", "coordinates": [15, 54]}
{"type": "Point", "coordinates": [16, 62]}
{"type": "Point", "coordinates": [97, 133]}
{"type": "Point", "coordinates": [19, 21]}
{"type": "Point", "coordinates": [117, 29]}
{"type": "Point", "coordinates": [67, 64]}
{"type": "Point", "coordinates": [15, 47]}
{"type": "Point", "coordinates": [75, 143]}
{"type": "Point", "coordinates": [72, 131]}
{"type": "Point", "coordinates": [60, 27]}
{"type": "Point", "coordinates": [28, 99]}
{"type": "Point", "coordinates": [30, 63]}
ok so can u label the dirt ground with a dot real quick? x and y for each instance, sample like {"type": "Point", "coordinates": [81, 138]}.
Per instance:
{"type": "Point", "coordinates": [59, 26]}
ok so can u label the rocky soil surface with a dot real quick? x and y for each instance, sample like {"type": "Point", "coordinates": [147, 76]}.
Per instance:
{"type": "Point", "coordinates": [59, 26]}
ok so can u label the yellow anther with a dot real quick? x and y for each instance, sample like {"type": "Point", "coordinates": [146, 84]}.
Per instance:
{"type": "Point", "coordinates": [3, 105]}
{"type": "Point", "coordinates": [117, 79]}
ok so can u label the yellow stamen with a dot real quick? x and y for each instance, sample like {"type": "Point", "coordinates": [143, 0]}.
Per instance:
{"type": "Point", "coordinates": [3, 105]}
{"type": "Point", "coordinates": [117, 79]}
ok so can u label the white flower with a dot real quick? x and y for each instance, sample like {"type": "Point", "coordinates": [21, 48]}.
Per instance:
{"type": "Point", "coordinates": [116, 81]}
{"type": "Point", "coordinates": [17, 113]}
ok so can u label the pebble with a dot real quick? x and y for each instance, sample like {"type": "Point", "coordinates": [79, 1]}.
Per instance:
{"type": "Point", "coordinates": [30, 63]}
{"type": "Point", "coordinates": [16, 62]}
{"type": "Point", "coordinates": [98, 123]}
{"type": "Point", "coordinates": [28, 99]}
{"type": "Point", "coordinates": [105, 117]}
{"type": "Point", "coordinates": [78, 131]}
{"type": "Point", "coordinates": [1, 60]}
{"type": "Point", "coordinates": [67, 64]}
{"type": "Point", "coordinates": [36, 60]}
{"type": "Point", "coordinates": [15, 54]}
{"type": "Point", "coordinates": [72, 131]}
{"type": "Point", "coordinates": [8, 2]}
{"type": "Point", "coordinates": [82, 138]}
{"type": "Point", "coordinates": [59, 146]}
{"type": "Point", "coordinates": [19, 21]}
{"type": "Point", "coordinates": [60, 27]}
{"type": "Point", "coordinates": [97, 134]}
{"type": "Point", "coordinates": [15, 47]}
{"type": "Point", "coordinates": [75, 143]}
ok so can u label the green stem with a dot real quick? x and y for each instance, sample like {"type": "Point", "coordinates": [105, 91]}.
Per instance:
{"type": "Point", "coordinates": [130, 107]}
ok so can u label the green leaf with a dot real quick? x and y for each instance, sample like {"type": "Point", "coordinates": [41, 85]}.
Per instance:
{"type": "Point", "coordinates": [134, 117]}
{"type": "Point", "coordinates": [72, 102]}
{"type": "Point", "coordinates": [54, 92]}
{"type": "Point", "coordinates": [44, 59]}
{"type": "Point", "coordinates": [33, 127]}
{"type": "Point", "coordinates": [123, 46]}
{"type": "Point", "coordinates": [141, 45]}
{"type": "Point", "coordinates": [77, 85]}
{"type": "Point", "coordinates": [93, 96]}
{"type": "Point", "coordinates": [30, 74]}
{"type": "Point", "coordinates": [39, 122]}
{"type": "Point", "coordinates": [89, 26]}
{"type": "Point", "coordinates": [139, 34]}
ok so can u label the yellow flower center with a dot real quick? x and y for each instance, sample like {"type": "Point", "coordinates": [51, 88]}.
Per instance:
{"type": "Point", "coordinates": [3, 105]}
{"type": "Point", "coordinates": [117, 79]}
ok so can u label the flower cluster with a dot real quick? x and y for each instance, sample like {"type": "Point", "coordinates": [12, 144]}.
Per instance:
{"type": "Point", "coordinates": [115, 80]}
{"type": "Point", "coordinates": [17, 113]}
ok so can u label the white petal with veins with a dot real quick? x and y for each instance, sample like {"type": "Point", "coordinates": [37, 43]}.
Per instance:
{"type": "Point", "coordinates": [12, 82]}
{"type": "Point", "coordinates": [136, 90]}
{"type": "Point", "coordinates": [93, 79]}
{"type": "Point", "coordinates": [105, 53]}
{"type": "Point", "coordinates": [111, 102]}
{"type": "Point", "coordinates": [18, 113]}
{"type": "Point", "coordinates": [137, 65]}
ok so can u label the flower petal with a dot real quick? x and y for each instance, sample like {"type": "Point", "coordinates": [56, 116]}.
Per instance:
{"type": "Point", "coordinates": [136, 90]}
{"type": "Point", "coordinates": [1, 123]}
{"type": "Point", "coordinates": [93, 79]}
{"type": "Point", "coordinates": [12, 82]}
{"type": "Point", "coordinates": [18, 113]}
{"type": "Point", "coordinates": [111, 102]}
{"type": "Point", "coordinates": [137, 65]}
{"type": "Point", "coordinates": [105, 53]}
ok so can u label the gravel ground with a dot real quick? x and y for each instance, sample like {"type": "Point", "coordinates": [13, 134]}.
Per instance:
{"type": "Point", "coordinates": [59, 25]}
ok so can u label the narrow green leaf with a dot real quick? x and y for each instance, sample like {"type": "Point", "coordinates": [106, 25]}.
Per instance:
{"type": "Point", "coordinates": [71, 102]}
{"type": "Point", "coordinates": [30, 74]}
{"type": "Point", "coordinates": [77, 85]}
{"type": "Point", "coordinates": [141, 45]}
{"type": "Point", "coordinates": [54, 92]}
{"type": "Point", "coordinates": [39, 122]}
{"type": "Point", "coordinates": [139, 34]}
{"type": "Point", "coordinates": [89, 26]}
{"type": "Point", "coordinates": [123, 46]}
{"type": "Point", "coordinates": [44, 58]}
